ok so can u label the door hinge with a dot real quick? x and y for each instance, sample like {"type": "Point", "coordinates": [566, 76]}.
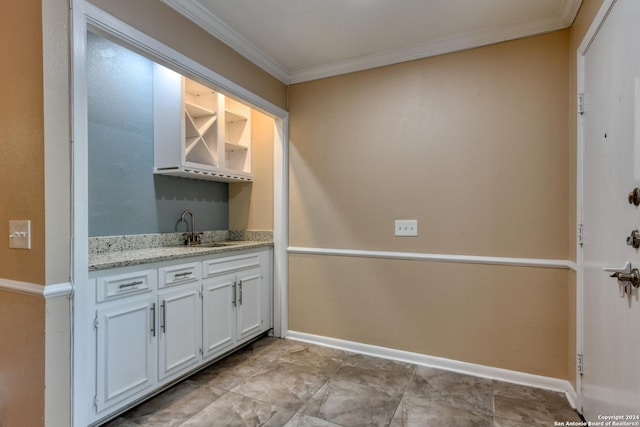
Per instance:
{"type": "Point", "coordinates": [201, 351]}
{"type": "Point", "coordinates": [581, 103]}
{"type": "Point", "coordinates": [201, 294]}
{"type": "Point", "coordinates": [580, 364]}
{"type": "Point", "coordinates": [580, 234]}
{"type": "Point", "coordinates": [95, 322]}
{"type": "Point", "coordinates": [95, 401]}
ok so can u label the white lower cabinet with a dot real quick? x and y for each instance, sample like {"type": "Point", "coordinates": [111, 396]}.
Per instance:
{"type": "Point", "coordinates": [236, 306]}
{"type": "Point", "coordinates": [125, 353]}
{"type": "Point", "coordinates": [218, 322]}
{"type": "Point", "coordinates": [180, 330]}
{"type": "Point", "coordinates": [249, 317]}
{"type": "Point", "coordinates": [237, 300]}
{"type": "Point", "coordinates": [157, 323]}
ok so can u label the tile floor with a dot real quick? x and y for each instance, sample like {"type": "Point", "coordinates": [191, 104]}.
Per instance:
{"type": "Point", "coordinates": [275, 382]}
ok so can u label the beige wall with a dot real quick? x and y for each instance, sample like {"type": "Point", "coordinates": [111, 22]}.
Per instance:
{"type": "Point", "coordinates": [167, 26]}
{"type": "Point", "coordinates": [22, 176]}
{"type": "Point", "coordinates": [21, 359]}
{"type": "Point", "coordinates": [251, 204]}
{"type": "Point", "coordinates": [510, 317]}
{"type": "Point", "coordinates": [22, 138]}
{"type": "Point", "coordinates": [474, 146]}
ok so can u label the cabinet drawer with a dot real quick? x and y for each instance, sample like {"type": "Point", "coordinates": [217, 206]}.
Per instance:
{"type": "Point", "coordinates": [121, 285]}
{"type": "Point", "coordinates": [226, 265]}
{"type": "Point", "coordinates": [179, 274]}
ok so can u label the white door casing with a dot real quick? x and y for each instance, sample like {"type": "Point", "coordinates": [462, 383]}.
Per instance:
{"type": "Point", "coordinates": [609, 168]}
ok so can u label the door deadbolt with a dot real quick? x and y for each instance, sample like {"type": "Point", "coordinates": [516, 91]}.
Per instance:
{"type": "Point", "coordinates": [634, 197]}
{"type": "Point", "coordinates": [634, 239]}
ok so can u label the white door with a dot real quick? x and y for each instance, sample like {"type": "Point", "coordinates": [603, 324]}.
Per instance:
{"type": "Point", "coordinates": [611, 144]}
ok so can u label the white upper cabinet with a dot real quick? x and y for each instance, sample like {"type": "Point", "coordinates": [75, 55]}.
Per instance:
{"type": "Point", "coordinates": [198, 132]}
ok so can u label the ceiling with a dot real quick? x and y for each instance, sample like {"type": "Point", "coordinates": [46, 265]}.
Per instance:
{"type": "Point", "coordinates": [301, 40]}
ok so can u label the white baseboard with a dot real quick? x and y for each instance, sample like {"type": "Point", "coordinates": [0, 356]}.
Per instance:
{"type": "Point", "coordinates": [531, 380]}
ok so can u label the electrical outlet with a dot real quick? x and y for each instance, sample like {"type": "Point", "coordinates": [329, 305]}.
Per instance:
{"type": "Point", "coordinates": [20, 234]}
{"type": "Point", "coordinates": [407, 227]}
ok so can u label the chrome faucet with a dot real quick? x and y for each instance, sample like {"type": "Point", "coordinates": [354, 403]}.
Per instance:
{"type": "Point", "coordinates": [191, 237]}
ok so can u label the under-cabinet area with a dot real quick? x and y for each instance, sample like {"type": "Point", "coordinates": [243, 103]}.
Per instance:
{"type": "Point", "coordinates": [156, 323]}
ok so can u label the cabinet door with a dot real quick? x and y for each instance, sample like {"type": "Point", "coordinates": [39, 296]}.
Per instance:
{"type": "Point", "coordinates": [180, 333]}
{"type": "Point", "coordinates": [249, 305]}
{"type": "Point", "coordinates": [125, 351]}
{"type": "Point", "coordinates": [168, 118]}
{"type": "Point", "coordinates": [218, 316]}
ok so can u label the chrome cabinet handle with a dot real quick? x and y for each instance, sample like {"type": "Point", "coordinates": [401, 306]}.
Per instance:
{"type": "Point", "coordinates": [233, 300]}
{"type": "Point", "coordinates": [153, 319]}
{"type": "Point", "coordinates": [181, 275]}
{"type": "Point", "coordinates": [163, 324]}
{"type": "Point", "coordinates": [240, 288]}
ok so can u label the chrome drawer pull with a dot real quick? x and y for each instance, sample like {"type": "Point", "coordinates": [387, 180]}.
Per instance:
{"type": "Point", "coordinates": [181, 275]}
{"type": "Point", "coordinates": [128, 285]}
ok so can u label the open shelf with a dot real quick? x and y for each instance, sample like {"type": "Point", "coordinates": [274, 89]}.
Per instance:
{"type": "Point", "coordinates": [199, 132]}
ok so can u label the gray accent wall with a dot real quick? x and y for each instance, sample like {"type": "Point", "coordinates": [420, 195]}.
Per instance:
{"type": "Point", "coordinates": [125, 197]}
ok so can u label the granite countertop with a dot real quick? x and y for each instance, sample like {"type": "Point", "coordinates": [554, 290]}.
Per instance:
{"type": "Point", "coordinates": [122, 251]}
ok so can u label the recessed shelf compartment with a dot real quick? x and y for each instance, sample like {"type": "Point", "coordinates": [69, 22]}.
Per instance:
{"type": "Point", "coordinates": [199, 133]}
{"type": "Point", "coordinates": [196, 110]}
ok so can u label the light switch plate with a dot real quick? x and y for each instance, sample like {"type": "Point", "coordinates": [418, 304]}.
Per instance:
{"type": "Point", "coordinates": [20, 234]}
{"type": "Point", "coordinates": [407, 227]}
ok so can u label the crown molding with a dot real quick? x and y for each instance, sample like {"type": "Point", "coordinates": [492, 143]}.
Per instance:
{"type": "Point", "coordinates": [569, 10]}
{"type": "Point", "coordinates": [428, 49]}
{"type": "Point", "coordinates": [192, 10]}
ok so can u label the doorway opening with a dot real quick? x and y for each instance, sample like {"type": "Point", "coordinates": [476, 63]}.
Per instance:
{"type": "Point", "coordinates": [91, 24]}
